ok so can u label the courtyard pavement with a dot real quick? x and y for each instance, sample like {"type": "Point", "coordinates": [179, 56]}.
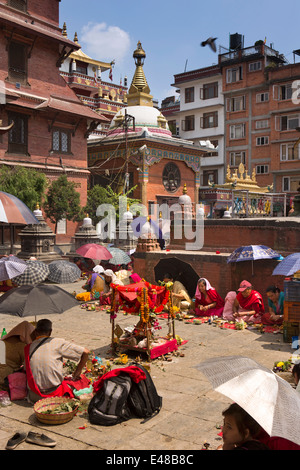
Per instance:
{"type": "Point", "coordinates": [191, 413]}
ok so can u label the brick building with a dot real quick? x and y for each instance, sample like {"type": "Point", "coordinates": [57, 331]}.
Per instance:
{"type": "Point", "coordinates": [51, 125]}
{"type": "Point", "coordinates": [140, 144]}
{"type": "Point", "coordinates": [262, 115]}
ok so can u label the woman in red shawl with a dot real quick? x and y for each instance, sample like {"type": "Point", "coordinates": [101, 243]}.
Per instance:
{"type": "Point", "coordinates": [207, 300]}
{"type": "Point", "coordinates": [248, 304]}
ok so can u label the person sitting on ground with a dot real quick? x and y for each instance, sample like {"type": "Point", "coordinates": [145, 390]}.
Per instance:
{"type": "Point", "coordinates": [15, 341]}
{"type": "Point", "coordinates": [110, 278]}
{"type": "Point", "coordinates": [44, 359]}
{"type": "Point", "coordinates": [207, 300]}
{"type": "Point", "coordinates": [95, 285]}
{"type": "Point", "coordinates": [248, 305]}
{"type": "Point", "coordinates": [180, 296]}
{"type": "Point", "coordinates": [275, 302]}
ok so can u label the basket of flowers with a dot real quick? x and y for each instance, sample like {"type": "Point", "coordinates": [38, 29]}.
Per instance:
{"type": "Point", "coordinates": [56, 410]}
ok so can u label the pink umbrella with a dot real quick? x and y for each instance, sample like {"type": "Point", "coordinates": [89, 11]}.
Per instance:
{"type": "Point", "coordinates": [94, 251]}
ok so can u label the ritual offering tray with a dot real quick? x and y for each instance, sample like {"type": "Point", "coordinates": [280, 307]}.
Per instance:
{"type": "Point", "coordinates": [56, 410]}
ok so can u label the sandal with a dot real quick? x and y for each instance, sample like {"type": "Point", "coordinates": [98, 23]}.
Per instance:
{"type": "Point", "coordinates": [40, 439]}
{"type": "Point", "coordinates": [15, 440]}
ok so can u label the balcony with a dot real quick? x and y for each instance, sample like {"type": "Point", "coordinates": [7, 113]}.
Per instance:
{"type": "Point", "coordinates": [250, 53]}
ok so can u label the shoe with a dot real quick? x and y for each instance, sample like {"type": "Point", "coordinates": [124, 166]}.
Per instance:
{"type": "Point", "coordinates": [40, 439]}
{"type": "Point", "coordinates": [15, 440]}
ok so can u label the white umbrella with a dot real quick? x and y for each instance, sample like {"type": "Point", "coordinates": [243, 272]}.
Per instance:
{"type": "Point", "coordinates": [269, 399]}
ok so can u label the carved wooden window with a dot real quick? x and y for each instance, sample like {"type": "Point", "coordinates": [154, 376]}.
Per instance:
{"type": "Point", "coordinates": [18, 135]}
{"type": "Point", "coordinates": [17, 59]}
{"type": "Point", "coordinates": [61, 141]}
{"type": "Point", "coordinates": [18, 4]}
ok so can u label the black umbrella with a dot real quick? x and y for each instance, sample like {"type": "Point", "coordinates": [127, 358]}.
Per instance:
{"type": "Point", "coordinates": [25, 301]}
{"type": "Point", "coordinates": [180, 271]}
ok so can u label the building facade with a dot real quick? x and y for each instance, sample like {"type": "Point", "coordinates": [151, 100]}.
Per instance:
{"type": "Point", "coordinates": [262, 115]}
{"type": "Point", "coordinates": [51, 124]}
{"type": "Point", "coordinates": [200, 117]}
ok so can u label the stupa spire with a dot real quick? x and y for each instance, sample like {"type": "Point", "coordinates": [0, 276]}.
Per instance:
{"type": "Point", "coordinates": [139, 91]}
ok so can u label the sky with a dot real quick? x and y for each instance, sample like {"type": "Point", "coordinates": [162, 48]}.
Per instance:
{"type": "Point", "coordinates": [171, 33]}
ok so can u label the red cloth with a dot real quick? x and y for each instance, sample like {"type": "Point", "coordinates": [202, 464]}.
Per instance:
{"type": "Point", "coordinates": [276, 443]}
{"type": "Point", "coordinates": [212, 296]}
{"type": "Point", "coordinates": [135, 373]}
{"type": "Point", "coordinates": [253, 302]}
{"type": "Point", "coordinates": [62, 390]}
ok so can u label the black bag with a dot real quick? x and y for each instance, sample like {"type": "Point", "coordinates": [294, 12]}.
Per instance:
{"type": "Point", "coordinates": [109, 405]}
{"type": "Point", "coordinates": [143, 399]}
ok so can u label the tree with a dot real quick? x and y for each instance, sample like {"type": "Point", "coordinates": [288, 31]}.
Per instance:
{"type": "Point", "coordinates": [63, 201]}
{"type": "Point", "coordinates": [99, 195]}
{"type": "Point", "coordinates": [25, 183]}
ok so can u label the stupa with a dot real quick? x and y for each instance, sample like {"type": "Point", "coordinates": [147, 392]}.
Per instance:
{"type": "Point", "coordinates": [38, 240]}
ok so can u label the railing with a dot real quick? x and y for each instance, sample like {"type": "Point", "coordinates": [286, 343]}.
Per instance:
{"type": "Point", "coordinates": [248, 204]}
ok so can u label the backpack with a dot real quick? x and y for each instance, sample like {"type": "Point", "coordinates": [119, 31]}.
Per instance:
{"type": "Point", "coordinates": [120, 398]}
{"type": "Point", "coordinates": [143, 399]}
{"type": "Point", "coordinates": [109, 405]}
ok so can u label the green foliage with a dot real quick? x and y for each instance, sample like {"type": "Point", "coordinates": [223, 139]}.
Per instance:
{"type": "Point", "coordinates": [63, 201]}
{"type": "Point", "coordinates": [25, 183]}
{"type": "Point", "coordinates": [99, 195]}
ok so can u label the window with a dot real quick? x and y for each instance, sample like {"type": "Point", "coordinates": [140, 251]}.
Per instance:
{"type": "Point", "coordinates": [254, 66]}
{"type": "Point", "coordinates": [18, 135]}
{"type": "Point", "coordinates": [237, 131]}
{"type": "Point", "coordinates": [81, 67]}
{"type": "Point", "coordinates": [171, 177]}
{"type": "Point", "coordinates": [210, 176]}
{"type": "Point", "coordinates": [263, 124]}
{"type": "Point", "coordinates": [287, 123]}
{"type": "Point", "coordinates": [237, 103]}
{"type": "Point", "coordinates": [234, 75]}
{"type": "Point", "coordinates": [285, 183]}
{"type": "Point", "coordinates": [264, 140]}
{"type": "Point", "coordinates": [188, 124]}
{"type": "Point", "coordinates": [262, 169]}
{"type": "Point", "coordinates": [189, 94]}
{"type": "Point", "coordinates": [18, 4]}
{"type": "Point", "coordinates": [262, 97]}
{"type": "Point", "coordinates": [209, 90]}
{"type": "Point", "coordinates": [17, 62]}
{"type": "Point", "coordinates": [237, 157]}
{"type": "Point", "coordinates": [288, 152]}
{"type": "Point", "coordinates": [209, 120]}
{"type": "Point", "coordinates": [282, 92]}
{"type": "Point", "coordinates": [61, 141]}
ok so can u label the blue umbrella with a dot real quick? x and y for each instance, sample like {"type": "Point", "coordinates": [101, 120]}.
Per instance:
{"type": "Point", "coordinates": [252, 253]}
{"type": "Point", "coordinates": [288, 266]}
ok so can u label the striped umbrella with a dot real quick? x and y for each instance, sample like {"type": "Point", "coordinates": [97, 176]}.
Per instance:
{"type": "Point", "coordinates": [14, 211]}
{"type": "Point", "coordinates": [118, 256]}
{"type": "Point", "coordinates": [11, 266]}
{"type": "Point", "coordinates": [63, 272]}
{"type": "Point", "coordinates": [35, 273]}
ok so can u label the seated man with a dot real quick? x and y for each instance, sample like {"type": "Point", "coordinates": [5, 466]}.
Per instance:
{"type": "Point", "coordinates": [44, 359]}
{"type": "Point", "coordinates": [180, 296]}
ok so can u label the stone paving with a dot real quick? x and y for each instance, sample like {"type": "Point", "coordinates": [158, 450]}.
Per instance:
{"type": "Point", "coordinates": [191, 411]}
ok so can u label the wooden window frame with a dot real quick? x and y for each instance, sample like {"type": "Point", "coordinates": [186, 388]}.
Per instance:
{"type": "Point", "coordinates": [61, 130]}
{"type": "Point", "coordinates": [205, 120]}
{"type": "Point", "coordinates": [189, 94]}
{"type": "Point", "coordinates": [15, 147]}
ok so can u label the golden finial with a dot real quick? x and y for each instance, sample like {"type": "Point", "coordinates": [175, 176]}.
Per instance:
{"type": "Point", "coordinates": [75, 38]}
{"type": "Point", "coordinates": [184, 191]}
{"type": "Point", "coordinates": [64, 31]}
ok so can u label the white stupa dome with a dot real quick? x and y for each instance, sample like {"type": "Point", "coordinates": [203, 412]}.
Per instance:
{"type": "Point", "coordinates": [146, 118]}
